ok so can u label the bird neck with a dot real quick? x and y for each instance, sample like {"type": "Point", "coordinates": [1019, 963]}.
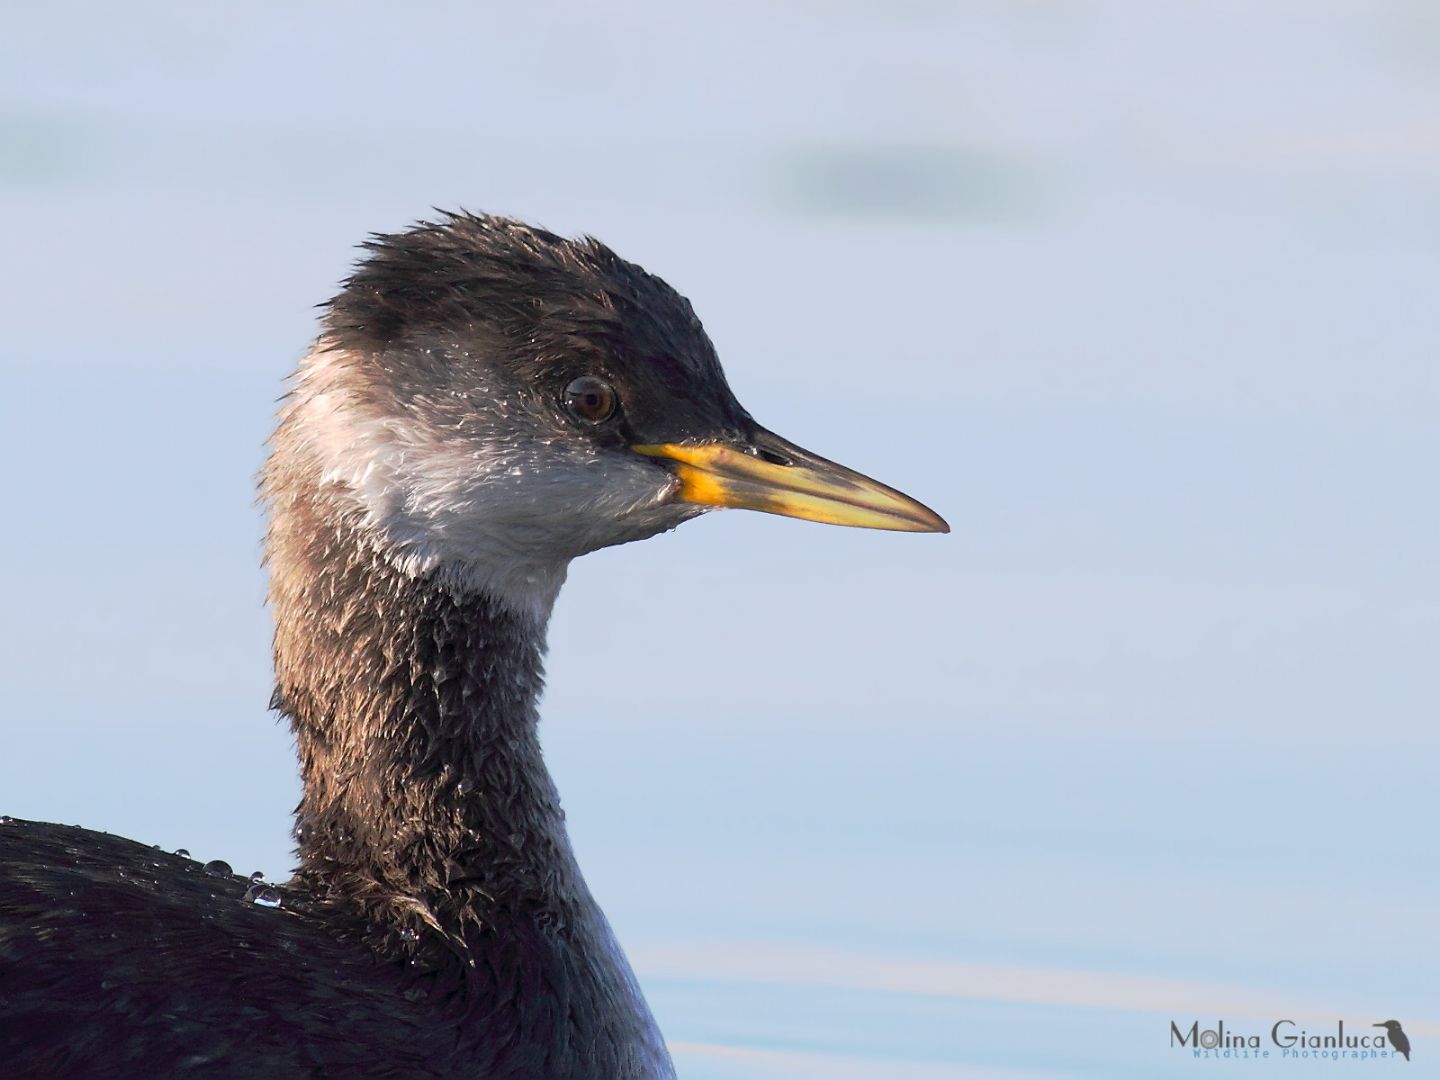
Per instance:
{"type": "Point", "coordinates": [426, 800]}
{"type": "Point", "coordinates": [428, 816]}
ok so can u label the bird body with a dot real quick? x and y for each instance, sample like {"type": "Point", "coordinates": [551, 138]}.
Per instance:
{"type": "Point", "coordinates": [1397, 1037]}
{"type": "Point", "coordinates": [486, 402]}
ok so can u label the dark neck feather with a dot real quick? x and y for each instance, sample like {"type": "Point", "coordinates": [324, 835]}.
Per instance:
{"type": "Point", "coordinates": [428, 816]}
{"type": "Point", "coordinates": [426, 801]}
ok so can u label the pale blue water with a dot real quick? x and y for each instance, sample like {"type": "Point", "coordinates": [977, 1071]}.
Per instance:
{"type": "Point", "coordinates": [1141, 298]}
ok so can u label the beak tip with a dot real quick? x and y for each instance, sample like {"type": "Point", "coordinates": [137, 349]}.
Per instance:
{"type": "Point", "coordinates": [929, 521]}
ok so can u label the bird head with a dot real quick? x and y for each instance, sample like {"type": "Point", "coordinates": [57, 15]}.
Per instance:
{"type": "Point", "coordinates": [488, 401]}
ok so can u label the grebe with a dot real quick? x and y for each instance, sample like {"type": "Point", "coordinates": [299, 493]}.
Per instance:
{"type": "Point", "coordinates": [485, 402]}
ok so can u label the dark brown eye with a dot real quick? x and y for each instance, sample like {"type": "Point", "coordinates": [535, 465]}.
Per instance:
{"type": "Point", "coordinates": [590, 398]}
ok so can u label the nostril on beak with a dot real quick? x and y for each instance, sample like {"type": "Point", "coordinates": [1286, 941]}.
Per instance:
{"type": "Point", "coordinates": [769, 456]}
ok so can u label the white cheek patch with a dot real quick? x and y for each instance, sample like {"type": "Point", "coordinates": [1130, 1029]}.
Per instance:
{"type": "Point", "coordinates": [501, 512]}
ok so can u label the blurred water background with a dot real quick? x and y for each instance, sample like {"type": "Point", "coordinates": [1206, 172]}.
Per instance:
{"type": "Point", "coordinates": [1142, 297]}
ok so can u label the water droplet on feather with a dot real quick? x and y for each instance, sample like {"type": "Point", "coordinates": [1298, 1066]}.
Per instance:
{"type": "Point", "coordinates": [264, 895]}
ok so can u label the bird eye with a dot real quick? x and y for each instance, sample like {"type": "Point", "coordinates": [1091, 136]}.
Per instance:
{"type": "Point", "coordinates": [591, 399]}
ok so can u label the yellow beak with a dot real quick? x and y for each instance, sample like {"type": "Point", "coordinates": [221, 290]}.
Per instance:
{"type": "Point", "coordinates": [778, 477]}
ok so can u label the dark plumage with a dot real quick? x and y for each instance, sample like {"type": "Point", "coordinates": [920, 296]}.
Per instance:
{"type": "Point", "coordinates": [117, 959]}
{"type": "Point", "coordinates": [555, 307]}
{"type": "Point", "coordinates": [434, 470]}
